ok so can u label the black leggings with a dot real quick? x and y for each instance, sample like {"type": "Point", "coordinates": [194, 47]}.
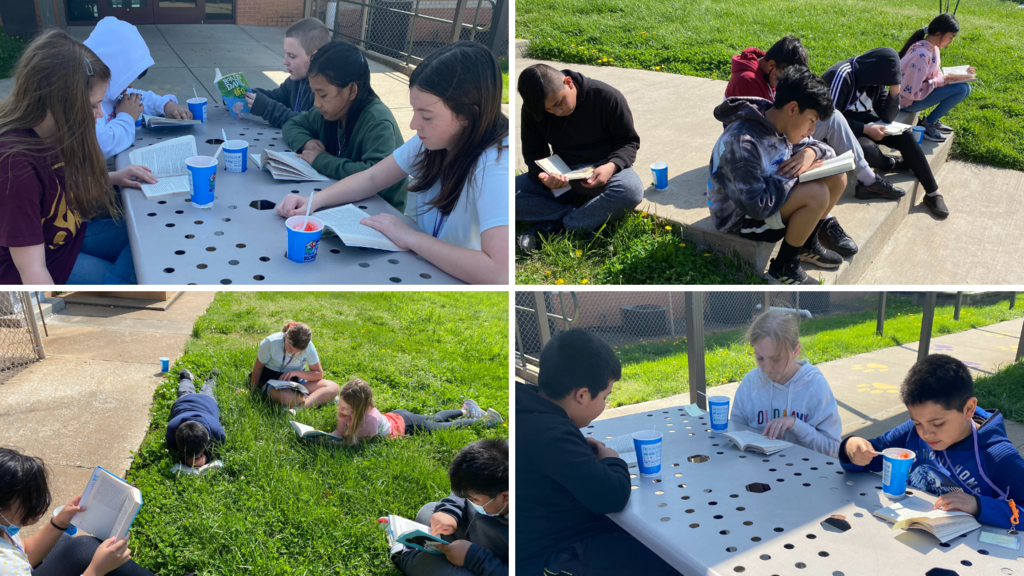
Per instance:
{"type": "Point", "coordinates": [415, 423]}
{"type": "Point", "coordinates": [912, 154]}
{"type": "Point", "coordinates": [71, 556]}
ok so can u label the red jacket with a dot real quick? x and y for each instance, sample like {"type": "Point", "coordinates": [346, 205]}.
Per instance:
{"type": "Point", "coordinates": [747, 79]}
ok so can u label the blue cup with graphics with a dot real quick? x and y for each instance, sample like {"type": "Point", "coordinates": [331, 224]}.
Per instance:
{"type": "Point", "coordinates": [718, 407]}
{"type": "Point", "coordinates": [303, 238]}
{"type": "Point", "coordinates": [896, 463]}
{"type": "Point", "coordinates": [660, 172]}
{"type": "Point", "coordinates": [165, 364]}
{"type": "Point", "coordinates": [919, 133]}
{"type": "Point", "coordinates": [197, 106]}
{"type": "Point", "coordinates": [648, 452]}
{"type": "Point", "coordinates": [202, 178]}
{"type": "Point", "coordinates": [236, 155]}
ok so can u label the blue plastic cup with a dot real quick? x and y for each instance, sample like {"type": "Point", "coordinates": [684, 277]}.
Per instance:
{"type": "Point", "coordinates": [919, 132]}
{"type": "Point", "coordinates": [648, 452]}
{"type": "Point", "coordinates": [202, 178]}
{"type": "Point", "coordinates": [660, 171]}
{"type": "Point", "coordinates": [236, 155]}
{"type": "Point", "coordinates": [718, 406]}
{"type": "Point", "coordinates": [302, 245]}
{"type": "Point", "coordinates": [138, 123]}
{"type": "Point", "coordinates": [165, 364]}
{"type": "Point", "coordinates": [197, 106]}
{"type": "Point", "coordinates": [896, 463]}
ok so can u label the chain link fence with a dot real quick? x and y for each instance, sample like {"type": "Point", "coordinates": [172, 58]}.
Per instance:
{"type": "Point", "coordinates": [18, 334]}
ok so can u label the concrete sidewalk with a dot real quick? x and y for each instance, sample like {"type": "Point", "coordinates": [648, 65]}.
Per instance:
{"type": "Point", "coordinates": [87, 404]}
{"type": "Point", "coordinates": [867, 386]}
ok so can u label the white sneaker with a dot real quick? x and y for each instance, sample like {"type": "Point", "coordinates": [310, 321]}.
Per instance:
{"type": "Point", "coordinates": [492, 415]}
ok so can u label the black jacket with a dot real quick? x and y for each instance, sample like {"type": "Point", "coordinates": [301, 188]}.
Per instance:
{"type": "Point", "coordinates": [562, 491]}
{"type": "Point", "coordinates": [599, 130]}
{"type": "Point", "coordinates": [870, 73]}
{"type": "Point", "coordinates": [488, 554]}
{"type": "Point", "coordinates": [278, 106]}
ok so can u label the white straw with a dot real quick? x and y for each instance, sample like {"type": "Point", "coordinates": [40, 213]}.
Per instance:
{"type": "Point", "coordinates": [217, 155]}
{"type": "Point", "coordinates": [701, 393]}
{"type": "Point", "coordinates": [196, 93]}
{"type": "Point", "coordinates": [308, 206]}
{"type": "Point", "coordinates": [224, 134]}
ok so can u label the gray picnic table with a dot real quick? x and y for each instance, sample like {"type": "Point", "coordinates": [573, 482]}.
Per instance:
{"type": "Point", "coordinates": [718, 511]}
{"type": "Point", "coordinates": [242, 240]}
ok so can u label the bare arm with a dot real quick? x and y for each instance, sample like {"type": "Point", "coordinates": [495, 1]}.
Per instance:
{"type": "Point", "coordinates": [314, 374]}
{"type": "Point", "coordinates": [257, 371]}
{"type": "Point", "coordinates": [31, 264]}
{"type": "Point", "coordinates": [489, 265]}
{"type": "Point", "coordinates": [358, 186]}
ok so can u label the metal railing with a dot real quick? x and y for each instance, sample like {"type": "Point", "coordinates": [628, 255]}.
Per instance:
{"type": "Point", "coordinates": [20, 342]}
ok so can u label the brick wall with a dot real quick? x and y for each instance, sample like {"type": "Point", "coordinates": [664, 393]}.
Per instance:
{"type": "Point", "coordinates": [281, 13]}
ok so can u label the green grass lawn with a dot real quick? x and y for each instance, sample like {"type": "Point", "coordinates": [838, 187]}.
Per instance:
{"type": "Point", "coordinates": [659, 369]}
{"type": "Point", "coordinates": [504, 80]}
{"type": "Point", "coordinates": [1003, 391]}
{"type": "Point", "coordinates": [284, 506]}
{"type": "Point", "coordinates": [10, 51]}
{"type": "Point", "coordinates": [699, 38]}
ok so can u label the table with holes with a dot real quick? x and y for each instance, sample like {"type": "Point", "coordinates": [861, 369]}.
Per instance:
{"type": "Point", "coordinates": [242, 240]}
{"type": "Point", "coordinates": [717, 510]}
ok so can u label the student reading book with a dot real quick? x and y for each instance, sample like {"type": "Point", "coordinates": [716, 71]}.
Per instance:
{"type": "Point", "coordinates": [746, 440]}
{"type": "Point", "coordinates": [925, 82]}
{"type": "Point", "coordinates": [405, 534]}
{"type": "Point", "coordinates": [194, 425]}
{"type": "Point", "coordinates": [233, 89]}
{"type": "Point", "coordinates": [108, 506]}
{"type": "Point", "coordinates": [474, 517]}
{"type": "Point", "coordinates": [586, 123]}
{"type": "Point", "coordinates": [307, 432]}
{"type": "Point", "coordinates": [749, 194]}
{"type": "Point", "coordinates": [783, 397]}
{"type": "Point", "coordinates": [914, 512]}
{"type": "Point", "coordinates": [346, 222]}
{"type": "Point", "coordinates": [826, 168]}
{"type": "Point", "coordinates": [123, 50]}
{"type": "Point", "coordinates": [349, 129]}
{"type": "Point", "coordinates": [961, 452]}
{"type": "Point", "coordinates": [293, 96]}
{"type": "Point", "coordinates": [290, 355]}
{"type": "Point", "coordinates": [166, 161]}
{"type": "Point", "coordinates": [567, 483]}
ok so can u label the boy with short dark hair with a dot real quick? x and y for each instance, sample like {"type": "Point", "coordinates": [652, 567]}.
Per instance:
{"type": "Point", "coordinates": [587, 123]}
{"type": "Point", "coordinates": [476, 514]}
{"type": "Point", "coordinates": [195, 421]}
{"type": "Point", "coordinates": [293, 96]}
{"type": "Point", "coordinates": [962, 454]}
{"type": "Point", "coordinates": [754, 192]}
{"type": "Point", "coordinates": [566, 482]}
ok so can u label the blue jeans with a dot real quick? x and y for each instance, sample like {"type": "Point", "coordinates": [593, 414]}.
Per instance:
{"type": "Point", "coordinates": [943, 98]}
{"type": "Point", "coordinates": [536, 203]}
{"type": "Point", "coordinates": [105, 257]}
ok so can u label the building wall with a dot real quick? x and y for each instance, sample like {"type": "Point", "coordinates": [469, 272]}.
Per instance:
{"type": "Point", "coordinates": [281, 13]}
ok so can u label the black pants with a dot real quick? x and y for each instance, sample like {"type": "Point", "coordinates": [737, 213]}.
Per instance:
{"type": "Point", "coordinates": [71, 556]}
{"type": "Point", "coordinates": [416, 423]}
{"type": "Point", "coordinates": [912, 154]}
{"type": "Point", "coordinates": [614, 552]}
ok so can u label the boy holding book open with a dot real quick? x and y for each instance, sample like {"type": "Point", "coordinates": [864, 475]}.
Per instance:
{"type": "Point", "coordinates": [587, 123]}
{"type": "Point", "coordinates": [195, 421]}
{"type": "Point", "coordinates": [566, 483]}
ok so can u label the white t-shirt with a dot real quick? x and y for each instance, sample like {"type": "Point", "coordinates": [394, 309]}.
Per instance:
{"type": "Point", "coordinates": [272, 355]}
{"type": "Point", "coordinates": [482, 205]}
{"type": "Point", "coordinates": [13, 560]}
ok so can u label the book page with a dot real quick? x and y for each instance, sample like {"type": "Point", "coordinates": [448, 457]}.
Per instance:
{"type": "Point", "coordinates": [166, 186]}
{"type": "Point", "coordinates": [124, 519]}
{"type": "Point", "coordinates": [302, 429]}
{"type": "Point", "coordinates": [344, 221]}
{"type": "Point", "coordinates": [746, 438]}
{"type": "Point", "coordinates": [167, 158]}
{"type": "Point", "coordinates": [103, 500]}
{"type": "Point", "coordinates": [842, 163]}
{"type": "Point", "coordinates": [553, 165]}
{"type": "Point", "coordinates": [957, 70]}
{"type": "Point", "coordinates": [892, 128]}
{"type": "Point", "coordinates": [623, 445]}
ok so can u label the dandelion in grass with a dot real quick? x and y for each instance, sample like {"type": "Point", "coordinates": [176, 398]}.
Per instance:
{"type": "Point", "coordinates": [559, 281]}
{"type": "Point", "coordinates": [584, 281]}
{"type": "Point", "coordinates": [547, 272]}
{"type": "Point", "coordinates": [681, 245]}
{"type": "Point", "coordinates": [579, 253]}
{"type": "Point", "coordinates": [669, 228]}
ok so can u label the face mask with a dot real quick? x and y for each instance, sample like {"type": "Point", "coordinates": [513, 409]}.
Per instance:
{"type": "Point", "coordinates": [12, 530]}
{"type": "Point", "coordinates": [480, 509]}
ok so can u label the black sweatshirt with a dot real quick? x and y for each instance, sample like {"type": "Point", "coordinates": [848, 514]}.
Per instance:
{"type": "Point", "coordinates": [869, 74]}
{"type": "Point", "coordinates": [562, 491]}
{"type": "Point", "coordinates": [599, 130]}
{"type": "Point", "coordinates": [279, 105]}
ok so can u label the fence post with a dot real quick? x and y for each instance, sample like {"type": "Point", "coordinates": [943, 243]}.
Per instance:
{"type": "Point", "coordinates": [766, 301]}
{"type": "Point", "coordinates": [499, 24]}
{"type": "Point", "coordinates": [927, 316]}
{"type": "Point", "coordinates": [30, 319]}
{"type": "Point", "coordinates": [541, 310]}
{"type": "Point", "coordinates": [695, 346]}
{"type": "Point", "coordinates": [1020, 346]}
{"type": "Point", "coordinates": [956, 308]}
{"type": "Point", "coordinates": [797, 306]}
{"type": "Point", "coordinates": [460, 6]}
{"type": "Point", "coordinates": [1013, 299]}
{"type": "Point", "coordinates": [880, 325]}
{"type": "Point", "coordinates": [671, 316]}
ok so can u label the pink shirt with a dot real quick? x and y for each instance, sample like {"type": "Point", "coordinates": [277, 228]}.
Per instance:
{"type": "Point", "coordinates": [374, 424]}
{"type": "Point", "coordinates": [922, 72]}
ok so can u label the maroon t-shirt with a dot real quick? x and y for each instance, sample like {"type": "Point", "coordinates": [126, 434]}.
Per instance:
{"type": "Point", "coordinates": [35, 211]}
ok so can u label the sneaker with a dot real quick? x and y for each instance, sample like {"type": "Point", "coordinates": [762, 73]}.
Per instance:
{"type": "Point", "coordinates": [185, 374]}
{"type": "Point", "coordinates": [492, 416]}
{"type": "Point", "coordinates": [897, 164]}
{"type": "Point", "coordinates": [938, 126]}
{"type": "Point", "coordinates": [788, 273]}
{"type": "Point", "coordinates": [880, 189]}
{"type": "Point", "coordinates": [936, 204]}
{"type": "Point", "coordinates": [832, 236]}
{"type": "Point", "coordinates": [932, 133]}
{"type": "Point", "coordinates": [819, 255]}
{"type": "Point", "coordinates": [472, 409]}
{"type": "Point", "coordinates": [529, 241]}
{"type": "Point", "coordinates": [214, 373]}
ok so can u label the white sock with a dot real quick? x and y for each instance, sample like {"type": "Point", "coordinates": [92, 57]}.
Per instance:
{"type": "Point", "coordinates": [936, 193]}
{"type": "Point", "coordinates": [827, 216]}
{"type": "Point", "coordinates": [867, 176]}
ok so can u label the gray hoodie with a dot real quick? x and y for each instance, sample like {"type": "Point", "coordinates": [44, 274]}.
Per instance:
{"type": "Point", "coordinates": [806, 396]}
{"type": "Point", "coordinates": [743, 176]}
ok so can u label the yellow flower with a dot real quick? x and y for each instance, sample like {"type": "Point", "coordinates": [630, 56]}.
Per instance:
{"type": "Point", "coordinates": [643, 214]}
{"type": "Point", "coordinates": [584, 281]}
{"type": "Point", "coordinates": [669, 228]}
{"type": "Point", "coordinates": [681, 245]}
{"type": "Point", "coordinates": [706, 255]}
{"type": "Point", "coordinates": [559, 282]}
{"type": "Point", "coordinates": [579, 253]}
{"type": "Point", "coordinates": [657, 67]}
{"type": "Point", "coordinates": [547, 272]}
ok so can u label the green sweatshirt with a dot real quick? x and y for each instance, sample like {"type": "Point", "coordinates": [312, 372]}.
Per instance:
{"type": "Point", "coordinates": [374, 137]}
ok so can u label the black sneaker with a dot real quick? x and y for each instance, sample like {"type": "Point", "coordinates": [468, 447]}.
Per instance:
{"type": "Point", "coordinates": [529, 241]}
{"type": "Point", "coordinates": [897, 164]}
{"type": "Point", "coordinates": [184, 374]}
{"type": "Point", "coordinates": [938, 126]}
{"type": "Point", "coordinates": [832, 236]}
{"type": "Point", "coordinates": [880, 189]}
{"type": "Point", "coordinates": [936, 204]}
{"type": "Point", "coordinates": [814, 253]}
{"type": "Point", "coordinates": [932, 133]}
{"type": "Point", "coordinates": [788, 273]}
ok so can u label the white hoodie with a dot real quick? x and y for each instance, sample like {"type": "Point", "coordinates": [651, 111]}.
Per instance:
{"type": "Point", "coordinates": [806, 396]}
{"type": "Point", "coordinates": [120, 46]}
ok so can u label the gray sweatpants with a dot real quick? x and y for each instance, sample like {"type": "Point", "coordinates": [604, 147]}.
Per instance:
{"type": "Point", "coordinates": [836, 133]}
{"type": "Point", "coordinates": [536, 203]}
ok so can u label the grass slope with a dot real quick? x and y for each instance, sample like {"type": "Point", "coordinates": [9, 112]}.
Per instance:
{"type": "Point", "coordinates": [1003, 391]}
{"type": "Point", "coordinates": [283, 506]}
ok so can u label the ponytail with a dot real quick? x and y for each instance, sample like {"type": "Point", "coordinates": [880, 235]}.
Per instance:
{"type": "Point", "coordinates": [941, 24]}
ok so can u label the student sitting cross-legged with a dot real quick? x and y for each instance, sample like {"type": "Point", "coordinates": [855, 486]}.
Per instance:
{"type": "Point", "coordinates": [754, 192]}
{"type": "Point", "coordinates": [586, 123]}
{"type": "Point", "coordinates": [294, 95]}
{"type": "Point", "coordinates": [195, 421]}
{"type": "Point", "coordinates": [566, 483]}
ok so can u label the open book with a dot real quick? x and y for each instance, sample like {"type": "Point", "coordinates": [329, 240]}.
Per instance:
{"type": "Point", "coordinates": [159, 122]}
{"type": "Point", "coordinates": [842, 163]}
{"type": "Point", "coordinates": [305, 431]}
{"type": "Point", "coordinates": [232, 90]}
{"type": "Point", "coordinates": [180, 468]}
{"type": "Point", "coordinates": [167, 162]}
{"type": "Point", "coordinates": [287, 166]}
{"type": "Point", "coordinates": [892, 128]}
{"type": "Point", "coordinates": [110, 506]}
{"type": "Point", "coordinates": [555, 165]}
{"type": "Point", "coordinates": [624, 446]}
{"type": "Point", "coordinates": [914, 512]}
{"type": "Point", "coordinates": [412, 534]}
{"type": "Point", "coordinates": [958, 71]}
{"type": "Point", "coordinates": [746, 440]}
{"type": "Point", "coordinates": [344, 221]}
{"type": "Point", "coordinates": [282, 385]}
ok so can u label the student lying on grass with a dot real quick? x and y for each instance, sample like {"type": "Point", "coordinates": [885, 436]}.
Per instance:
{"type": "Point", "coordinates": [359, 419]}
{"type": "Point", "coordinates": [961, 452]}
{"type": "Point", "coordinates": [458, 162]}
{"type": "Point", "coordinates": [865, 89]}
{"type": "Point", "coordinates": [123, 50]}
{"type": "Point", "coordinates": [349, 129]}
{"type": "Point", "coordinates": [586, 123]}
{"type": "Point", "coordinates": [756, 73]}
{"type": "Point", "coordinates": [752, 194]}
{"type": "Point", "coordinates": [294, 95]}
{"type": "Point", "coordinates": [195, 421]}
{"type": "Point", "coordinates": [475, 515]}
{"type": "Point", "coordinates": [24, 500]}
{"type": "Point", "coordinates": [290, 355]}
{"type": "Point", "coordinates": [566, 483]}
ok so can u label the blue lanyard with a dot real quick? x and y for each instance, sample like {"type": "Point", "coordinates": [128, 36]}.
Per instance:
{"type": "Point", "coordinates": [283, 364]}
{"type": "Point", "coordinates": [438, 223]}
{"type": "Point", "coordinates": [298, 97]}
